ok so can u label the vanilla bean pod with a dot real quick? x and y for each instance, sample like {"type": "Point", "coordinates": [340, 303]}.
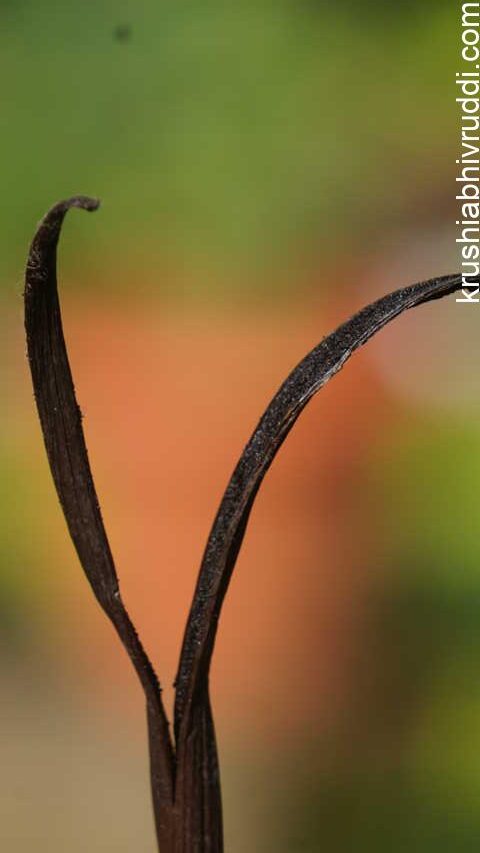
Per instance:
{"type": "Point", "coordinates": [193, 722]}
{"type": "Point", "coordinates": [61, 423]}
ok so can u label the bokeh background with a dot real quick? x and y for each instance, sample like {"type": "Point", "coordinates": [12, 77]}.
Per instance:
{"type": "Point", "coordinates": [265, 169]}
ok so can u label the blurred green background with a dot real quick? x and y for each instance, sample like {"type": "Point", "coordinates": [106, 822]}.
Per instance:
{"type": "Point", "coordinates": [264, 170]}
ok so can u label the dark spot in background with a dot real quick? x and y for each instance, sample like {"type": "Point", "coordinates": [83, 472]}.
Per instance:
{"type": "Point", "coordinates": [122, 32]}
